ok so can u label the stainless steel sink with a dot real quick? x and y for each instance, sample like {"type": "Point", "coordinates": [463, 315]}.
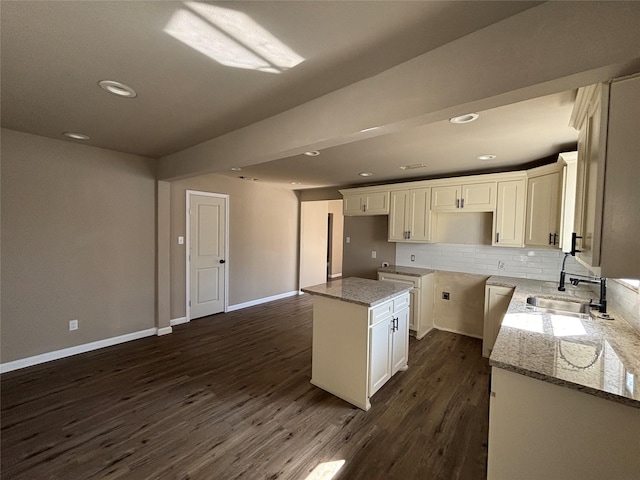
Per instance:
{"type": "Point", "coordinates": [559, 305]}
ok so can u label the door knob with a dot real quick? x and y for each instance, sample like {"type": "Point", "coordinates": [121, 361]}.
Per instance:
{"type": "Point", "coordinates": [222, 260]}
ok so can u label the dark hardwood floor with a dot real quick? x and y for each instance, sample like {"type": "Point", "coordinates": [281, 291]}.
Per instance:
{"type": "Point", "coordinates": [228, 397]}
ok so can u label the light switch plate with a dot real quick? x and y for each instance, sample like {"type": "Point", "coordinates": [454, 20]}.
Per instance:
{"type": "Point", "coordinates": [181, 240]}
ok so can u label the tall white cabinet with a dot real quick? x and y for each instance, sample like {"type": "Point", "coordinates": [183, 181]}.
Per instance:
{"type": "Point", "coordinates": [608, 118]}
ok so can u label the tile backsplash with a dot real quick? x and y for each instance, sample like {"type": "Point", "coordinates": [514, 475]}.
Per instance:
{"type": "Point", "coordinates": [538, 264]}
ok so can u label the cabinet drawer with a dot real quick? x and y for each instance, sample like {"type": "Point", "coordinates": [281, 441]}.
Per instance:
{"type": "Point", "coordinates": [381, 312]}
{"type": "Point", "coordinates": [403, 279]}
{"type": "Point", "coordinates": [401, 303]}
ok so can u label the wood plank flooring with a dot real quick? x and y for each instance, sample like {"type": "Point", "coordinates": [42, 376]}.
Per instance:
{"type": "Point", "coordinates": [228, 397]}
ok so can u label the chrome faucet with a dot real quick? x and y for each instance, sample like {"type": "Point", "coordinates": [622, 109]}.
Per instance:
{"type": "Point", "coordinates": [576, 279]}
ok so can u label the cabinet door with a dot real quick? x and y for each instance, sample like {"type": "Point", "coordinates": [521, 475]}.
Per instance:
{"type": "Point", "coordinates": [445, 198]}
{"type": "Point", "coordinates": [400, 342]}
{"type": "Point", "coordinates": [379, 355]}
{"type": "Point", "coordinates": [419, 218]}
{"type": "Point", "coordinates": [352, 205]}
{"type": "Point", "coordinates": [543, 195]}
{"type": "Point", "coordinates": [480, 197]}
{"type": "Point", "coordinates": [496, 304]}
{"type": "Point", "coordinates": [376, 203]}
{"type": "Point", "coordinates": [398, 215]}
{"type": "Point", "coordinates": [510, 214]}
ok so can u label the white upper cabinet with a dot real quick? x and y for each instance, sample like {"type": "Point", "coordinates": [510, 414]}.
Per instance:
{"type": "Point", "coordinates": [543, 210]}
{"type": "Point", "coordinates": [363, 202]}
{"type": "Point", "coordinates": [469, 197]}
{"type": "Point", "coordinates": [608, 171]}
{"type": "Point", "coordinates": [508, 221]}
{"type": "Point", "coordinates": [410, 215]}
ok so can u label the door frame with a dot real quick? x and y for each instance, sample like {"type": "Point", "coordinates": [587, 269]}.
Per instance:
{"type": "Point", "coordinates": [189, 193]}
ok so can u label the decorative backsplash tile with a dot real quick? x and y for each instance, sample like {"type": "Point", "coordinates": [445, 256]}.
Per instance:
{"type": "Point", "coordinates": [536, 264]}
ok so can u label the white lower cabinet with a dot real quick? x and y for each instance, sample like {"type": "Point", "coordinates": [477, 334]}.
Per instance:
{"type": "Point", "coordinates": [421, 308]}
{"type": "Point", "coordinates": [496, 304]}
{"type": "Point", "coordinates": [538, 430]}
{"type": "Point", "coordinates": [389, 348]}
{"type": "Point", "coordinates": [357, 349]}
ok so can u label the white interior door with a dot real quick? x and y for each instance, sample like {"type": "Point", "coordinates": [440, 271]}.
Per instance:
{"type": "Point", "coordinates": [207, 250]}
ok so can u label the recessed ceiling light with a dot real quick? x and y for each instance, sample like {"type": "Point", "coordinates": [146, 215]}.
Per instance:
{"type": "Point", "coordinates": [487, 156]}
{"type": "Point", "coordinates": [411, 167]}
{"type": "Point", "coordinates": [469, 117]}
{"type": "Point", "coordinates": [365, 174]}
{"type": "Point", "coordinates": [312, 153]}
{"type": "Point", "coordinates": [295, 183]}
{"type": "Point", "coordinates": [235, 169]}
{"type": "Point", "coordinates": [76, 136]}
{"type": "Point", "coordinates": [117, 88]}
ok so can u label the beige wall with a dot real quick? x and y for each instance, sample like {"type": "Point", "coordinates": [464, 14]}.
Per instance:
{"type": "Point", "coordinates": [335, 261]}
{"type": "Point", "coordinates": [366, 234]}
{"type": "Point", "coordinates": [464, 311]}
{"type": "Point", "coordinates": [78, 242]}
{"type": "Point", "coordinates": [263, 238]}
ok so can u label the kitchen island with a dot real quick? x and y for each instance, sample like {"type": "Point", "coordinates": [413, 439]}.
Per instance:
{"type": "Point", "coordinates": [360, 336]}
{"type": "Point", "coordinates": [565, 391]}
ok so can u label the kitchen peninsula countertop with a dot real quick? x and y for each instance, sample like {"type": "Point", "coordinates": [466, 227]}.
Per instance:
{"type": "Point", "coordinates": [410, 271]}
{"type": "Point", "coordinates": [360, 291]}
{"type": "Point", "coordinates": [596, 356]}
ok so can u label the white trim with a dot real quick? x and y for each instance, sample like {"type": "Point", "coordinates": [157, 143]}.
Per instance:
{"type": "Point", "coordinates": [188, 246]}
{"type": "Point", "coordinates": [164, 331]}
{"type": "Point", "coordinates": [335, 275]}
{"type": "Point", "coordinates": [260, 301]}
{"type": "Point", "coordinates": [68, 352]}
{"type": "Point", "coordinates": [178, 321]}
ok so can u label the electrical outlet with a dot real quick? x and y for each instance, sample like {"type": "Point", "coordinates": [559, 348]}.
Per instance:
{"type": "Point", "coordinates": [500, 265]}
{"type": "Point", "coordinates": [413, 258]}
{"type": "Point", "coordinates": [347, 240]}
{"type": "Point", "coordinates": [445, 295]}
{"type": "Point", "coordinates": [180, 240]}
{"type": "Point", "coordinates": [373, 254]}
{"type": "Point", "coordinates": [73, 324]}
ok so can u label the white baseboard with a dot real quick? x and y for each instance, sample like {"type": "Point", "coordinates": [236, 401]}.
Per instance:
{"type": "Point", "coordinates": [335, 275]}
{"type": "Point", "coordinates": [178, 321]}
{"type": "Point", "coordinates": [67, 352]}
{"type": "Point", "coordinates": [457, 331]}
{"type": "Point", "coordinates": [164, 331]}
{"type": "Point", "coordinates": [259, 301]}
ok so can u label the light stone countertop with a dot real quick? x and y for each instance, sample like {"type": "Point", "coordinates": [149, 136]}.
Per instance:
{"type": "Point", "coordinates": [409, 271]}
{"type": "Point", "coordinates": [361, 291]}
{"type": "Point", "coordinates": [596, 356]}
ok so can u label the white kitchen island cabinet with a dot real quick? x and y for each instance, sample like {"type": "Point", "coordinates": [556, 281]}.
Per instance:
{"type": "Point", "coordinates": [360, 336]}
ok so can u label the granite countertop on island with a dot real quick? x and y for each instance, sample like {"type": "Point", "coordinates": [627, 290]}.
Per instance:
{"type": "Point", "coordinates": [409, 271]}
{"type": "Point", "coordinates": [360, 291]}
{"type": "Point", "coordinates": [597, 356]}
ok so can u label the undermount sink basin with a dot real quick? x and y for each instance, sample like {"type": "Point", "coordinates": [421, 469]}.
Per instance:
{"type": "Point", "coordinates": [558, 305]}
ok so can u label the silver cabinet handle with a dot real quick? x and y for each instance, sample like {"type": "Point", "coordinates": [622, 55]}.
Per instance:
{"type": "Point", "coordinates": [462, 203]}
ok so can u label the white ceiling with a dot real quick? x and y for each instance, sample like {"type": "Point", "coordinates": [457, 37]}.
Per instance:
{"type": "Point", "coordinates": [55, 52]}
